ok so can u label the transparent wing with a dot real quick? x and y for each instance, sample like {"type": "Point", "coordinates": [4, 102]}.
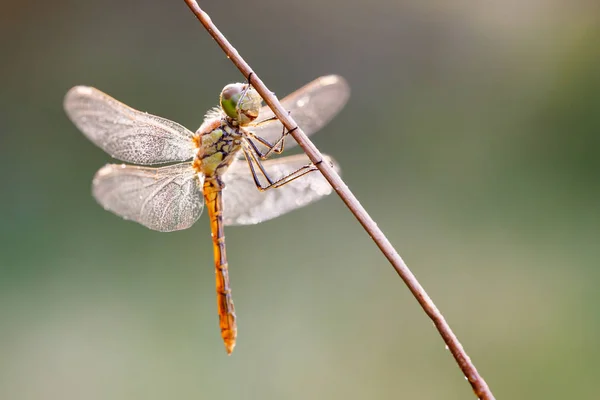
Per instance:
{"type": "Point", "coordinates": [164, 199]}
{"type": "Point", "coordinates": [124, 133]}
{"type": "Point", "coordinates": [244, 204]}
{"type": "Point", "coordinates": [312, 106]}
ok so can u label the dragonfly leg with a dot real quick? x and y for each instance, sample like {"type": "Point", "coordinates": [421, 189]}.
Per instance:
{"type": "Point", "coordinates": [252, 160]}
{"type": "Point", "coordinates": [264, 122]}
{"type": "Point", "coordinates": [276, 148]}
{"type": "Point", "coordinates": [242, 98]}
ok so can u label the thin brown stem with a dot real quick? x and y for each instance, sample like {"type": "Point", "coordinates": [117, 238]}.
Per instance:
{"type": "Point", "coordinates": [478, 384]}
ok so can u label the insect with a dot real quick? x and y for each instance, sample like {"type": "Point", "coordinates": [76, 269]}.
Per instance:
{"type": "Point", "coordinates": [207, 167]}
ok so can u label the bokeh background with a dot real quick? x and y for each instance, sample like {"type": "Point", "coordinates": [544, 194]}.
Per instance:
{"type": "Point", "coordinates": [472, 136]}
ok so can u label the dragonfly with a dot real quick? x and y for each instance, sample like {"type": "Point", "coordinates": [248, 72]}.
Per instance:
{"type": "Point", "coordinates": [206, 169]}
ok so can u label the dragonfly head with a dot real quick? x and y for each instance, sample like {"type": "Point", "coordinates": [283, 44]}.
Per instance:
{"type": "Point", "coordinates": [240, 102]}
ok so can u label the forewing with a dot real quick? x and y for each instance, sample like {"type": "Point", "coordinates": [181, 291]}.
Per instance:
{"type": "Point", "coordinates": [164, 199]}
{"type": "Point", "coordinates": [124, 133]}
{"type": "Point", "coordinates": [244, 204]}
{"type": "Point", "coordinates": [312, 106]}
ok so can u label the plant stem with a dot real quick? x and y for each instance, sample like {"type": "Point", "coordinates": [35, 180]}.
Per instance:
{"type": "Point", "coordinates": [478, 384]}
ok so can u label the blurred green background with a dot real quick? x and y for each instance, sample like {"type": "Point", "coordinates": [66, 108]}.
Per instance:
{"type": "Point", "coordinates": [472, 136]}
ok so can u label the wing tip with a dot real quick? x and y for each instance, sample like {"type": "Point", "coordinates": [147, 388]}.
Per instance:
{"type": "Point", "coordinates": [331, 79]}
{"type": "Point", "coordinates": [105, 171]}
{"type": "Point", "coordinates": [74, 93]}
{"type": "Point", "coordinates": [334, 79]}
{"type": "Point", "coordinates": [79, 90]}
{"type": "Point", "coordinates": [340, 82]}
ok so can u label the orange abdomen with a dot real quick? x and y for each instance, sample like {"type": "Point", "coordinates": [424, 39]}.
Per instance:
{"type": "Point", "coordinates": [214, 204]}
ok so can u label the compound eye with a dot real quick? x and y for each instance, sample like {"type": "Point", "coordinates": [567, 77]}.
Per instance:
{"type": "Point", "coordinates": [230, 96]}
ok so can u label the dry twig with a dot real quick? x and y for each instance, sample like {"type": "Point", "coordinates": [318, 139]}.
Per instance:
{"type": "Point", "coordinates": [479, 385]}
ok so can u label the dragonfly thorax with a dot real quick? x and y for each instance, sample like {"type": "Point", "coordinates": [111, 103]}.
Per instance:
{"type": "Point", "coordinates": [217, 141]}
